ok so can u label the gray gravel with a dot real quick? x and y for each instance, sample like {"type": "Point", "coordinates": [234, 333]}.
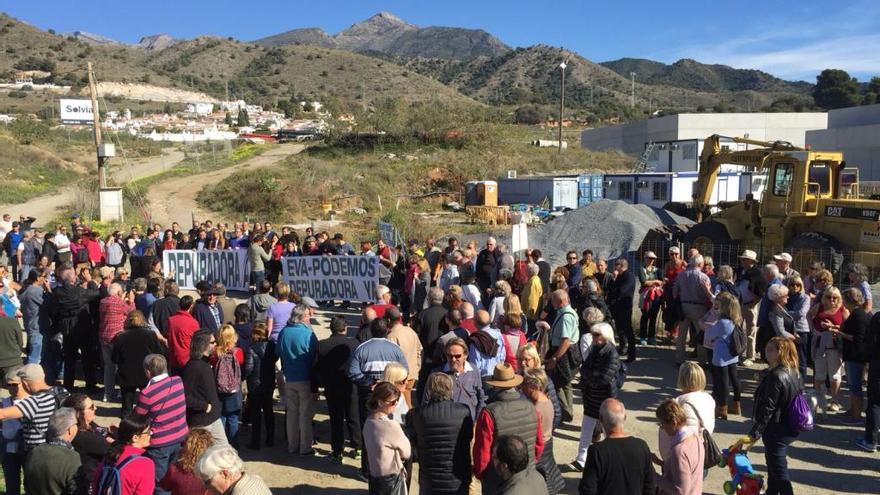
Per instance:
{"type": "Point", "coordinates": [611, 228]}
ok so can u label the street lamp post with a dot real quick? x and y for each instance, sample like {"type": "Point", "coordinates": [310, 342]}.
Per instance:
{"type": "Point", "coordinates": [632, 96]}
{"type": "Point", "coordinates": [562, 67]}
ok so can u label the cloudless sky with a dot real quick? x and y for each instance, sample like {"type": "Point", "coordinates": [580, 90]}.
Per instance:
{"type": "Point", "coordinates": [790, 39]}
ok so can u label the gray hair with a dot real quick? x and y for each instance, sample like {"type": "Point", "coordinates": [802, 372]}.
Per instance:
{"type": "Point", "coordinates": [605, 330]}
{"type": "Point", "coordinates": [217, 459]}
{"type": "Point", "coordinates": [777, 292]}
{"type": "Point", "coordinates": [533, 269]}
{"type": "Point", "coordinates": [696, 260]}
{"type": "Point", "coordinates": [60, 421]}
{"type": "Point", "coordinates": [381, 290]}
{"type": "Point", "coordinates": [771, 268]}
{"type": "Point", "coordinates": [612, 414]}
{"type": "Point", "coordinates": [725, 273]}
{"type": "Point", "coordinates": [435, 296]}
{"type": "Point", "coordinates": [114, 289]}
{"type": "Point", "coordinates": [140, 284]}
{"type": "Point", "coordinates": [593, 315]}
{"type": "Point", "coordinates": [155, 364]}
{"type": "Point", "coordinates": [299, 314]}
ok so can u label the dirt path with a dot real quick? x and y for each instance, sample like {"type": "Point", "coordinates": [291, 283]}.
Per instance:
{"type": "Point", "coordinates": [174, 200]}
{"type": "Point", "coordinates": [46, 207]}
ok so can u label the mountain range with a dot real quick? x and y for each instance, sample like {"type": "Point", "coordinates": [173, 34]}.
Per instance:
{"type": "Point", "coordinates": [385, 56]}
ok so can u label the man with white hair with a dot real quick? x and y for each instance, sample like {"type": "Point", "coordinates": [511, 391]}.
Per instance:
{"type": "Point", "coordinates": [52, 468]}
{"type": "Point", "coordinates": [693, 288]}
{"type": "Point", "coordinates": [564, 333]}
{"type": "Point", "coordinates": [112, 312]}
{"type": "Point", "coordinates": [531, 295]}
{"type": "Point", "coordinates": [222, 470]}
{"type": "Point", "coordinates": [488, 262]}
{"type": "Point", "coordinates": [383, 300]}
{"type": "Point", "coordinates": [620, 463]}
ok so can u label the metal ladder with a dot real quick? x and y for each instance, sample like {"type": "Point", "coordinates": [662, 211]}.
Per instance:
{"type": "Point", "coordinates": [641, 164]}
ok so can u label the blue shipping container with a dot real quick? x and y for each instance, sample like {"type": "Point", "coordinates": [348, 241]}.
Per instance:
{"type": "Point", "coordinates": [590, 188]}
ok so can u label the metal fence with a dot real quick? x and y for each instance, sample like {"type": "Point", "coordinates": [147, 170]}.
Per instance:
{"type": "Point", "coordinates": [836, 261]}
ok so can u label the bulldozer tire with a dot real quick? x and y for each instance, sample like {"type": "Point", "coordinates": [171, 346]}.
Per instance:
{"type": "Point", "coordinates": [711, 238]}
{"type": "Point", "coordinates": [813, 246]}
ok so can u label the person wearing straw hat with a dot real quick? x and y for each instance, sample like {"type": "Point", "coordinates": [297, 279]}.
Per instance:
{"type": "Point", "coordinates": [751, 285]}
{"type": "Point", "coordinates": [509, 413]}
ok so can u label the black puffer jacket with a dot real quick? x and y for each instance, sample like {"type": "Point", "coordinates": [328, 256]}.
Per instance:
{"type": "Point", "coordinates": [259, 371]}
{"type": "Point", "coordinates": [773, 397]}
{"type": "Point", "coordinates": [599, 377]}
{"type": "Point", "coordinates": [441, 433]}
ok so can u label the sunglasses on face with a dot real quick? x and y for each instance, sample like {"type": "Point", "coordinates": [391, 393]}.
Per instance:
{"type": "Point", "coordinates": [455, 356]}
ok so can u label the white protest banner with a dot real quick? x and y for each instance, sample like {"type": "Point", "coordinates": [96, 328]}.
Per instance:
{"type": "Point", "coordinates": [76, 111]}
{"type": "Point", "coordinates": [230, 267]}
{"type": "Point", "coordinates": [333, 278]}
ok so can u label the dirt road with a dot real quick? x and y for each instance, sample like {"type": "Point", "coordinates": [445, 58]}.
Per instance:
{"type": "Point", "coordinates": [174, 200]}
{"type": "Point", "coordinates": [46, 207]}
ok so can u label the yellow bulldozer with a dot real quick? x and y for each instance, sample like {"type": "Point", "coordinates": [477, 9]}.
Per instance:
{"type": "Point", "coordinates": [810, 206]}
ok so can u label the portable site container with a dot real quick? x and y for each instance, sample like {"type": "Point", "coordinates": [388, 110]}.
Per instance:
{"type": "Point", "coordinates": [558, 192]}
{"type": "Point", "coordinates": [657, 189]}
{"type": "Point", "coordinates": [481, 193]}
{"type": "Point", "coordinates": [590, 188]}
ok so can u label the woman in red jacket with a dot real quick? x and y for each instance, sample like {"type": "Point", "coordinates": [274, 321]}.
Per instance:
{"type": "Point", "coordinates": [137, 473]}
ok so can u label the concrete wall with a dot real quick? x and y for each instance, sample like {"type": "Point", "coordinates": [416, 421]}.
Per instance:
{"type": "Point", "coordinates": [631, 138]}
{"type": "Point", "coordinates": [860, 146]}
{"type": "Point", "coordinates": [854, 116]}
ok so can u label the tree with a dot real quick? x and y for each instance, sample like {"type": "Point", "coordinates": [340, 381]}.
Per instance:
{"type": "Point", "coordinates": [228, 119]}
{"type": "Point", "coordinates": [530, 114]}
{"type": "Point", "coordinates": [871, 95]}
{"type": "Point", "coordinates": [836, 89]}
{"type": "Point", "coordinates": [243, 119]}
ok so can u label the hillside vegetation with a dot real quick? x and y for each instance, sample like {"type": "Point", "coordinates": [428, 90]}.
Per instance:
{"type": "Point", "coordinates": [417, 176]}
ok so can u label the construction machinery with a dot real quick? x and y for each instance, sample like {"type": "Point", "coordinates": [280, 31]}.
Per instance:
{"type": "Point", "coordinates": [810, 207]}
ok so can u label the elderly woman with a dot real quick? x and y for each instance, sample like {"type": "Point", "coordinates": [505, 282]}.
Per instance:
{"type": "Point", "coordinates": [496, 306]}
{"type": "Point", "coordinates": [385, 441]}
{"type": "Point", "coordinates": [829, 314]}
{"type": "Point", "coordinates": [650, 298]}
{"type": "Point", "coordinates": [223, 472]}
{"type": "Point", "coordinates": [529, 358]}
{"type": "Point", "coordinates": [683, 463]}
{"type": "Point", "coordinates": [533, 386]}
{"type": "Point", "coordinates": [798, 307]}
{"type": "Point", "coordinates": [781, 322]}
{"type": "Point", "coordinates": [448, 272]}
{"type": "Point", "coordinates": [512, 325]}
{"type": "Point", "coordinates": [858, 278]}
{"type": "Point", "coordinates": [531, 294]}
{"type": "Point", "coordinates": [599, 375]}
{"type": "Point", "coordinates": [724, 282]}
{"type": "Point", "coordinates": [852, 335]}
{"type": "Point", "coordinates": [181, 478]}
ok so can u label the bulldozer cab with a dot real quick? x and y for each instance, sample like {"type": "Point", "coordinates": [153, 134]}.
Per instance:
{"type": "Point", "coordinates": [798, 182]}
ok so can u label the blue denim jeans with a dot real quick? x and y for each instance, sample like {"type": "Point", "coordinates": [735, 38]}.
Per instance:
{"type": "Point", "coordinates": [34, 347]}
{"type": "Point", "coordinates": [162, 458]}
{"type": "Point", "coordinates": [777, 437]}
{"type": "Point", "coordinates": [230, 414]}
{"type": "Point", "coordinates": [854, 372]}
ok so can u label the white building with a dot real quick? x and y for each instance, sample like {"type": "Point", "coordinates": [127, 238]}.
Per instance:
{"type": "Point", "coordinates": [656, 189]}
{"type": "Point", "coordinates": [631, 138]}
{"type": "Point", "coordinates": [856, 132]}
{"type": "Point", "coordinates": [200, 108]}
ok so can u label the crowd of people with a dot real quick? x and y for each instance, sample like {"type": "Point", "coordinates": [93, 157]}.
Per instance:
{"type": "Point", "coordinates": [466, 362]}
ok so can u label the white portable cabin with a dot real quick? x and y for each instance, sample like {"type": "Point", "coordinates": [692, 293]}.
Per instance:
{"type": "Point", "coordinates": [658, 188]}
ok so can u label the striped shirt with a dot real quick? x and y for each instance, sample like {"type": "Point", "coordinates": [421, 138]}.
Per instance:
{"type": "Point", "coordinates": [35, 413]}
{"type": "Point", "coordinates": [164, 402]}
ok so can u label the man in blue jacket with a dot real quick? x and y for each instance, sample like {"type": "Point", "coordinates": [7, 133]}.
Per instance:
{"type": "Point", "coordinates": [297, 346]}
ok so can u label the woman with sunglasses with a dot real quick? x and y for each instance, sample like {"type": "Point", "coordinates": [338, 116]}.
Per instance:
{"type": "Point", "coordinates": [384, 440]}
{"type": "Point", "coordinates": [829, 314]}
{"type": "Point", "coordinates": [91, 441]}
{"type": "Point", "coordinates": [126, 456]}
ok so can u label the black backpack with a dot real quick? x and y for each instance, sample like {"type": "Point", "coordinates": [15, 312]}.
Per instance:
{"type": "Point", "coordinates": [738, 341]}
{"type": "Point", "coordinates": [59, 393]}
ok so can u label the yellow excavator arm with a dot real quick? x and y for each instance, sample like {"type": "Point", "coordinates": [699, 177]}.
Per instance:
{"type": "Point", "coordinates": [714, 155]}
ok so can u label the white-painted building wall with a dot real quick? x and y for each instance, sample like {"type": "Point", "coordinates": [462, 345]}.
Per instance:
{"type": "Point", "coordinates": [856, 132]}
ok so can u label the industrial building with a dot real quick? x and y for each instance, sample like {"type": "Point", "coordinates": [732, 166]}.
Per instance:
{"type": "Point", "coordinates": [687, 127]}
{"type": "Point", "coordinates": [856, 132]}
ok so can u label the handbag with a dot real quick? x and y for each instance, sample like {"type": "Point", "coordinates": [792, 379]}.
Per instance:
{"type": "Point", "coordinates": [568, 365]}
{"type": "Point", "coordinates": [711, 453]}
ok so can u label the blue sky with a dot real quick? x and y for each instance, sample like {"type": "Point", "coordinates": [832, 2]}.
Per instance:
{"type": "Point", "coordinates": [790, 39]}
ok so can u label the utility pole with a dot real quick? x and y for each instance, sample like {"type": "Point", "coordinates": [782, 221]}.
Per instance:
{"type": "Point", "coordinates": [591, 94]}
{"type": "Point", "coordinates": [562, 67]}
{"type": "Point", "coordinates": [632, 96]}
{"type": "Point", "coordinates": [227, 89]}
{"type": "Point", "coordinates": [93, 91]}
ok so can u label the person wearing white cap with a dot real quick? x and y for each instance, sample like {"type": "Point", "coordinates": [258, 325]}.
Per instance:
{"type": "Point", "coordinates": [750, 283]}
{"type": "Point", "coordinates": [783, 261]}
{"type": "Point", "coordinates": [650, 298]}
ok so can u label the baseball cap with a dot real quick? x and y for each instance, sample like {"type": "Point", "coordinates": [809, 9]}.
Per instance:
{"type": "Point", "coordinates": [31, 372]}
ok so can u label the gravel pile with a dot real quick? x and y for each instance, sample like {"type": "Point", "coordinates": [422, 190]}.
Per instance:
{"type": "Point", "coordinates": [610, 228]}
